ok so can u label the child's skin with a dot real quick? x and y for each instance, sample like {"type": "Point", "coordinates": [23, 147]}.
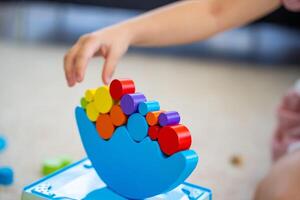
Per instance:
{"type": "Point", "coordinates": [181, 23]}
{"type": "Point", "coordinates": [283, 180]}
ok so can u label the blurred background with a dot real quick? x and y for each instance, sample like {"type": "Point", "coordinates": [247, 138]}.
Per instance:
{"type": "Point", "coordinates": [226, 88]}
{"type": "Point", "coordinates": [273, 39]}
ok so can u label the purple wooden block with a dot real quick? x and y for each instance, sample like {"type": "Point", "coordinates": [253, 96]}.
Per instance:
{"type": "Point", "coordinates": [169, 118]}
{"type": "Point", "coordinates": [129, 102]}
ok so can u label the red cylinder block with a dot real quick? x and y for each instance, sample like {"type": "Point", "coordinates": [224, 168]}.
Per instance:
{"type": "Point", "coordinates": [173, 139]}
{"type": "Point", "coordinates": [153, 132]}
{"type": "Point", "coordinates": [119, 87]}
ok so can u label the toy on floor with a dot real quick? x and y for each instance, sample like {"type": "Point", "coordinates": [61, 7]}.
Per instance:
{"type": "Point", "coordinates": [2, 143]}
{"type": "Point", "coordinates": [80, 181]}
{"type": "Point", "coordinates": [138, 150]}
{"type": "Point", "coordinates": [6, 173]}
{"type": "Point", "coordinates": [6, 176]}
{"type": "Point", "coordinates": [135, 151]}
{"type": "Point", "coordinates": [54, 164]}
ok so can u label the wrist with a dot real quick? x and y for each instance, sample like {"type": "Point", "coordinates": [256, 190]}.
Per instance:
{"type": "Point", "coordinates": [130, 31]}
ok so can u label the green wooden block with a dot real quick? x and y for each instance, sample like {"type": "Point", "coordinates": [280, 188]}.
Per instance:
{"type": "Point", "coordinates": [65, 161]}
{"type": "Point", "coordinates": [52, 165]}
{"type": "Point", "coordinates": [83, 103]}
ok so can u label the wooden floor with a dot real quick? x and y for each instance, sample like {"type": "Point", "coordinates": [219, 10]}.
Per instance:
{"type": "Point", "coordinates": [229, 108]}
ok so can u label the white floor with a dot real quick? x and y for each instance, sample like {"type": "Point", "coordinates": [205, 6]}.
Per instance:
{"type": "Point", "coordinates": [229, 108]}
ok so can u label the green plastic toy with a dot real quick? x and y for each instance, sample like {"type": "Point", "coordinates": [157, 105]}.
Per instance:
{"type": "Point", "coordinates": [55, 164]}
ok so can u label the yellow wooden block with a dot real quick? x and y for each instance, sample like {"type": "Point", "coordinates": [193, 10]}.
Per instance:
{"type": "Point", "coordinates": [89, 95]}
{"type": "Point", "coordinates": [91, 112]}
{"type": "Point", "coordinates": [103, 100]}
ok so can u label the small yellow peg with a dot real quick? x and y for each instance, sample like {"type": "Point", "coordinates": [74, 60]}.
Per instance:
{"type": "Point", "coordinates": [92, 112]}
{"type": "Point", "coordinates": [89, 95]}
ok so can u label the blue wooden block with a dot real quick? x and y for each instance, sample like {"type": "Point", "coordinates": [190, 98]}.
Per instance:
{"type": "Point", "coordinates": [135, 170]}
{"type": "Point", "coordinates": [148, 106]}
{"type": "Point", "coordinates": [6, 176]}
{"type": "Point", "coordinates": [137, 127]}
{"type": "Point", "coordinates": [2, 143]}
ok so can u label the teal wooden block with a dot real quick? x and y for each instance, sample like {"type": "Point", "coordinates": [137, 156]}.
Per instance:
{"type": "Point", "coordinates": [137, 127]}
{"type": "Point", "coordinates": [6, 176]}
{"type": "Point", "coordinates": [148, 106]}
{"type": "Point", "coordinates": [3, 143]}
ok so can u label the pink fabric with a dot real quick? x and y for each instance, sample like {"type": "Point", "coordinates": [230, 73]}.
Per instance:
{"type": "Point", "coordinates": [292, 5]}
{"type": "Point", "coordinates": [288, 126]}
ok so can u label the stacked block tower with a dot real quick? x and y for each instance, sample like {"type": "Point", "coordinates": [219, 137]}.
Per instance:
{"type": "Point", "coordinates": [119, 104]}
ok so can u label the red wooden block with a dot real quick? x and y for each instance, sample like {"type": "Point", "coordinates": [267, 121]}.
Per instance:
{"type": "Point", "coordinates": [119, 87]}
{"type": "Point", "coordinates": [173, 139]}
{"type": "Point", "coordinates": [153, 132]}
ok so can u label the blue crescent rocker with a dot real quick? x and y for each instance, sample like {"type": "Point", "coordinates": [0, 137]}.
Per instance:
{"type": "Point", "coordinates": [134, 170]}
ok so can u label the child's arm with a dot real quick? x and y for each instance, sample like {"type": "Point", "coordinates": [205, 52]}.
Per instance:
{"type": "Point", "coordinates": [178, 23]}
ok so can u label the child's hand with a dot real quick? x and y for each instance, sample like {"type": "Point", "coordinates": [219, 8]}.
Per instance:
{"type": "Point", "coordinates": [178, 23]}
{"type": "Point", "coordinates": [110, 43]}
{"type": "Point", "coordinates": [288, 127]}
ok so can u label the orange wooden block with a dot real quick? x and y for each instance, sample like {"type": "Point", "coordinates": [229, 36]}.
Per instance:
{"type": "Point", "coordinates": [117, 116]}
{"type": "Point", "coordinates": [105, 126]}
{"type": "Point", "coordinates": [152, 117]}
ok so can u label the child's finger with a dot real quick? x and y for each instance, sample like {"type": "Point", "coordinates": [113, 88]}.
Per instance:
{"type": "Point", "coordinates": [288, 119]}
{"type": "Point", "coordinates": [84, 54]}
{"type": "Point", "coordinates": [68, 65]}
{"type": "Point", "coordinates": [291, 101]}
{"type": "Point", "coordinates": [109, 67]}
